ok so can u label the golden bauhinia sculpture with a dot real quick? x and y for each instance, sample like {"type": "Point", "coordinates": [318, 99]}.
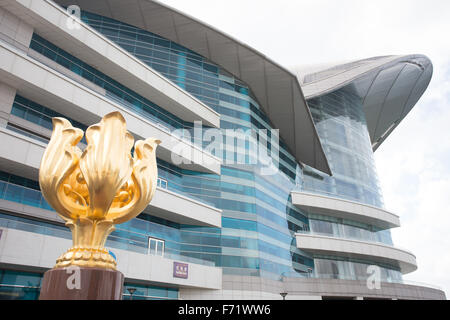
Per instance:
{"type": "Point", "coordinates": [94, 189]}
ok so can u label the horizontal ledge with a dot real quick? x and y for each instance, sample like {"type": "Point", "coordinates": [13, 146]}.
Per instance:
{"type": "Point", "coordinates": [178, 208]}
{"type": "Point", "coordinates": [350, 248]}
{"type": "Point", "coordinates": [38, 251]}
{"type": "Point", "coordinates": [166, 204]}
{"type": "Point", "coordinates": [46, 86]}
{"type": "Point", "coordinates": [359, 288]}
{"type": "Point", "coordinates": [276, 89]}
{"type": "Point", "coordinates": [345, 209]}
{"type": "Point", "coordinates": [97, 50]}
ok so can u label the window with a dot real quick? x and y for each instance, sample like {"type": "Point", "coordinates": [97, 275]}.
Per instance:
{"type": "Point", "coordinates": [162, 183]}
{"type": "Point", "coordinates": [321, 227]}
{"type": "Point", "coordinates": [156, 247]}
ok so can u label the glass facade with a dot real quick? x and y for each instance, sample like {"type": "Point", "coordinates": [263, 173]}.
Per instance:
{"type": "Point", "coordinates": [351, 269]}
{"type": "Point", "coordinates": [342, 128]}
{"type": "Point", "coordinates": [342, 228]}
{"type": "Point", "coordinates": [258, 219]}
{"type": "Point", "coordinates": [20, 285]}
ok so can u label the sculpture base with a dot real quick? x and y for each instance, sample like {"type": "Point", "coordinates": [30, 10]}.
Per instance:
{"type": "Point", "coordinates": [78, 283]}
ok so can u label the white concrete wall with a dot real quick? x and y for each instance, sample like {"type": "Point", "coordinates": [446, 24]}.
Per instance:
{"type": "Point", "coordinates": [29, 249]}
{"type": "Point", "coordinates": [341, 77]}
{"type": "Point", "coordinates": [50, 21]}
{"type": "Point", "coordinates": [358, 249]}
{"type": "Point", "coordinates": [48, 87]}
{"type": "Point", "coordinates": [178, 208]}
{"type": "Point", "coordinates": [194, 294]}
{"type": "Point", "coordinates": [27, 152]}
{"type": "Point", "coordinates": [236, 287]}
{"type": "Point", "coordinates": [18, 33]}
{"type": "Point", "coordinates": [14, 30]}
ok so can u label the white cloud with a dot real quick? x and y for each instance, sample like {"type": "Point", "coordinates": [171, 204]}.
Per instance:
{"type": "Point", "coordinates": [413, 166]}
{"type": "Point", "coordinates": [413, 163]}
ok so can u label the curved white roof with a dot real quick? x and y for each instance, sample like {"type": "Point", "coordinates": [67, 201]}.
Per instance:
{"type": "Point", "coordinates": [276, 88]}
{"type": "Point", "coordinates": [388, 86]}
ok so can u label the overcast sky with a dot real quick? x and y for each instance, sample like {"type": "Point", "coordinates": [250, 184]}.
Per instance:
{"type": "Point", "coordinates": [413, 163]}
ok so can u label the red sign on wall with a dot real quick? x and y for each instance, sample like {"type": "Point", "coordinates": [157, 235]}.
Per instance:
{"type": "Point", "coordinates": [180, 270]}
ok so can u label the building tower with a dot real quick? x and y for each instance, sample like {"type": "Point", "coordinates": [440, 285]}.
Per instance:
{"type": "Point", "coordinates": [316, 229]}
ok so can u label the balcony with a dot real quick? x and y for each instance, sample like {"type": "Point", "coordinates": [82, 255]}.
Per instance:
{"type": "Point", "coordinates": [351, 248]}
{"type": "Point", "coordinates": [38, 247]}
{"type": "Point", "coordinates": [345, 209]}
{"type": "Point", "coordinates": [47, 19]}
{"type": "Point", "coordinates": [25, 159]}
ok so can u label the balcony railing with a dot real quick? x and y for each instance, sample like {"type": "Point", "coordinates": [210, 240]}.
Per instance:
{"type": "Point", "coordinates": [31, 197]}
{"type": "Point", "coordinates": [387, 280]}
{"type": "Point", "coordinates": [345, 236]}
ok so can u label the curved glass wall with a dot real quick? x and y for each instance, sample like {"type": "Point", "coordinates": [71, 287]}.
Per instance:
{"type": "Point", "coordinates": [342, 128]}
{"type": "Point", "coordinates": [332, 268]}
{"type": "Point", "coordinates": [258, 217]}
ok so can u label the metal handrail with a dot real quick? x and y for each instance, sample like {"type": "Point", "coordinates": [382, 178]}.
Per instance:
{"type": "Point", "coordinates": [18, 286]}
{"type": "Point", "coordinates": [285, 277]}
{"type": "Point", "coordinates": [339, 237]}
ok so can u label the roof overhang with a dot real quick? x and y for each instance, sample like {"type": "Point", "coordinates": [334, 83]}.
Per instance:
{"type": "Point", "coordinates": [388, 86]}
{"type": "Point", "coordinates": [276, 89]}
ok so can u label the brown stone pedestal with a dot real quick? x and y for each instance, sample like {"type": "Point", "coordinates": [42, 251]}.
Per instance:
{"type": "Point", "coordinates": [84, 284]}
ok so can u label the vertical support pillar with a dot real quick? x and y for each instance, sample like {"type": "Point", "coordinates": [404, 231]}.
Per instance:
{"type": "Point", "coordinates": [14, 30]}
{"type": "Point", "coordinates": [18, 33]}
{"type": "Point", "coordinates": [79, 283]}
{"type": "Point", "coordinates": [7, 95]}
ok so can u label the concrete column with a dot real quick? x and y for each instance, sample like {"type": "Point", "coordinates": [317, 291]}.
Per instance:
{"type": "Point", "coordinates": [17, 33]}
{"type": "Point", "coordinates": [7, 95]}
{"type": "Point", "coordinates": [14, 30]}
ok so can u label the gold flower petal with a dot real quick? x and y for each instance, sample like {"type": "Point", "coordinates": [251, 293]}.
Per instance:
{"type": "Point", "coordinates": [106, 164]}
{"type": "Point", "coordinates": [60, 159]}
